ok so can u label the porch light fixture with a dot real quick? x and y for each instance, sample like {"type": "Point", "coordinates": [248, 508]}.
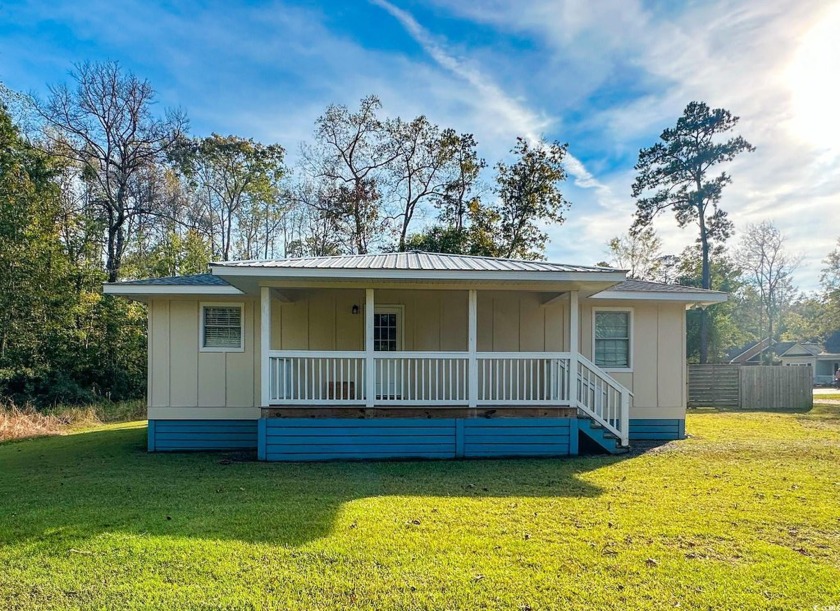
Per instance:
{"type": "Point", "coordinates": [355, 309]}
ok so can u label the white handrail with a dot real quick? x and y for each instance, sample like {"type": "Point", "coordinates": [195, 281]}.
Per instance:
{"type": "Point", "coordinates": [604, 399]}
{"type": "Point", "coordinates": [603, 374]}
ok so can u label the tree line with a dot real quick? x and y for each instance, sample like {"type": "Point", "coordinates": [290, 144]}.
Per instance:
{"type": "Point", "coordinates": [758, 271]}
{"type": "Point", "coordinates": [99, 183]}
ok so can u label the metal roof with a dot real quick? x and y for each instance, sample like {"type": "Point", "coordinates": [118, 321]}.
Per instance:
{"type": "Point", "coordinates": [643, 286]}
{"type": "Point", "coordinates": [414, 260]}
{"type": "Point", "coordinates": [641, 289]}
{"type": "Point", "coordinates": [193, 280]}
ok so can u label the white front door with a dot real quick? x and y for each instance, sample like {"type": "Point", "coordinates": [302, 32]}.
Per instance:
{"type": "Point", "coordinates": [388, 337]}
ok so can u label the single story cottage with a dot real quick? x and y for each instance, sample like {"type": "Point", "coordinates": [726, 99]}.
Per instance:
{"type": "Point", "coordinates": [412, 355]}
{"type": "Point", "coordinates": [823, 359]}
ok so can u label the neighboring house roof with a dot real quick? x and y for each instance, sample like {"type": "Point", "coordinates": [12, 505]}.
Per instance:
{"type": "Point", "coordinates": [782, 347]}
{"type": "Point", "coordinates": [800, 349]}
{"type": "Point", "coordinates": [415, 260]}
{"type": "Point", "coordinates": [746, 353]}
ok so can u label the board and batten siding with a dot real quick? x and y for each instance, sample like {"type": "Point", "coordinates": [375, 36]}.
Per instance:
{"type": "Point", "coordinates": [658, 374]}
{"type": "Point", "coordinates": [434, 320]}
{"type": "Point", "coordinates": [185, 383]}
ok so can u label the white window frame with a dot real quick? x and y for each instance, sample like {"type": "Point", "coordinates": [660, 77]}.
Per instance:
{"type": "Point", "coordinates": [632, 338]}
{"type": "Point", "coordinates": [221, 304]}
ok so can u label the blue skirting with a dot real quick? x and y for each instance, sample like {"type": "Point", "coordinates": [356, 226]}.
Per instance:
{"type": "Point", "coordinates": [306, 439]}
{"type": "Point", "coordinates": [656, 429]}
{"type": "Point", "coordinates": [201, 435]}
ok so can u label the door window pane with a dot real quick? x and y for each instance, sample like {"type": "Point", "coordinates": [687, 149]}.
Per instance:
{"type": "Point", "coordinates": [385, 332]}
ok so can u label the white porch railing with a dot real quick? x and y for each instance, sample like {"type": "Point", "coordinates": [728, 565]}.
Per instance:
{"type": "Point", "coordinates": [303, 377]}
{"type": "Point", "coordinates": [523, 378]}
{"type": "Point", "coordinates": [518, 379]}
{"type": "Point", "coordinates": [421, 378]}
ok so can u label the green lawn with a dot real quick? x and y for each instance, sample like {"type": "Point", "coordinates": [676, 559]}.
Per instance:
{"type": "Point", "coordinates": [834, 396]}
{"type": "Point", "coordinates": [745, 514]}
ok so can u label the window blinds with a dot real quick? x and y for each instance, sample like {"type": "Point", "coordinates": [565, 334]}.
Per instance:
{"type": "Point", "coordinates": [222, 327]}
{"type": "Point", "coordinates": [612, 339]}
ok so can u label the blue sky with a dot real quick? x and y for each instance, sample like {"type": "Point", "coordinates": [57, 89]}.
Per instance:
{"type": "Point", "coordinates": [605, 76]}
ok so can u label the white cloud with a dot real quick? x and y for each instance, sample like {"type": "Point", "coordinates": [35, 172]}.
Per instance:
{"type": "Point", "coordinates": [606, 76]}
{"type": "Point", "coordinates": [516, 117]}
{"type": "Point", "coordinates": [736, 55]}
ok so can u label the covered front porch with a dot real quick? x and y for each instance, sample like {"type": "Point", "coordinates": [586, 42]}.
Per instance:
{"type": "Point", "coordinates": [481, 366]}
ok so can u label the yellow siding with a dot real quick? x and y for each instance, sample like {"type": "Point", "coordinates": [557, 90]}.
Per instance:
{"type": "Point", "coordinates": [644, 359]}
{"type": "Point", "coordinates": [184, 382]}
{"type": "Point", "coordinates": [227, 385]}
{"type": "Point", "coordinates": [184, 353]}
{"type": "Point", "coordinates": [671, 381]}
{"type": "Point", "coordinates": [160, 355]}
{"type": "Point", "coordinates": [658, 374]}
{"type": "Point", "coordinates": [239, 366]}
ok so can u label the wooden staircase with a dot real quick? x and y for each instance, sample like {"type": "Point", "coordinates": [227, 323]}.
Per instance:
{"type": "Point", "coordinates": [606, 440]}
{"type": "Point", "coordinates": [603, 406]}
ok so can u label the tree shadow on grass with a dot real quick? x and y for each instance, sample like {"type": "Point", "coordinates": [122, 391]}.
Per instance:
{"type": "Point", "coordinates": [61, 490]}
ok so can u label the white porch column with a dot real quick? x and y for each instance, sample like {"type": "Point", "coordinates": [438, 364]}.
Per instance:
{"type": "Point", "coordinates": [370, 364]}
{"type": "Point", "coordinates": [574, 346]}
{"type": "Point", "coordinates": [472, 347]}
{"type": "Point", "coordinates": [265, 346]}
{"type": "Point", "coordinates": [574, 323]}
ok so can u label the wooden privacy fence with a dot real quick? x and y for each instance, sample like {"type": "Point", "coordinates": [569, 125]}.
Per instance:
{"type": "Point", "coordinates": [750, 387]}
{"type": "Point", "coordinates": [714, 386]}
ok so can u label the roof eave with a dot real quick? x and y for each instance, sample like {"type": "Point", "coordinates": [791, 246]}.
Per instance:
{"type": "Point", "coordinates": [144, 290]}
{"type": "Point", "coordinates": [697, 299]}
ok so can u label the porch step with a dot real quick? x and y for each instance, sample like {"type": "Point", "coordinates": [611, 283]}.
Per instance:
{"type": "Point", "coordinates": [606, 440]}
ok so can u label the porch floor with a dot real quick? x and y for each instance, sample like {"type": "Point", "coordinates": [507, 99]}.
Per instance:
{"type": "Point", "coordinates": [418, 412]}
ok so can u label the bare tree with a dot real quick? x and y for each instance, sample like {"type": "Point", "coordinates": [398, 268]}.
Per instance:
{"type": "Point", "coordinates": [350, 155]}
{"type": "Point", "coordinates": [770, 270]}
{"type": "Point", "coordinates": [307, 229]}
{"type": "Point", "coordinates": [105, 125]}
{"type": "Point", "coordinates": [423, 167]}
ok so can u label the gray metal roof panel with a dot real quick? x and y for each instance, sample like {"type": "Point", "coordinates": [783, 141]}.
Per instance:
{"type": "Point", "coordinates": [415, 261]}
{"type": "Point", "coordinates": [643, 286]}
{"type": "Point", "coordinates": [192, 280]}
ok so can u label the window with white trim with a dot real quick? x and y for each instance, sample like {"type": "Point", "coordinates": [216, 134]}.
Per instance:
{"type": "Point", "coordinates": [612, 339]}
{"type": "Point", "coordinates": [221, 327]}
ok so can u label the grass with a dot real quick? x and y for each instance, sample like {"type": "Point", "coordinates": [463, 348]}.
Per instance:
{"type": "Point", "coordinates": [833, 396]}
{"type": "Point", "coordinates": [27, 421]}
{"type": "Point", "coordinates": [744, 514]}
